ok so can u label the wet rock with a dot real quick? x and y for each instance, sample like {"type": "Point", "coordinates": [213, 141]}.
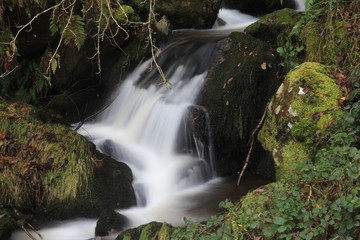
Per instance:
{"type": "Point", "coordinates": [258, 7]}
{"type": "Point", "coordinates": [305, 104]}
{"type": "Point", "coordinates": [235, 93]}
{"type": "Point", "coordinates": [110, 222]}
{"type": "Point", "coordinates": [113, 183]}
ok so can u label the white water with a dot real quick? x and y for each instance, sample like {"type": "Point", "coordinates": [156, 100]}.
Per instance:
{"type": "Point", "coordinates": [300, 5]}
{"type": "Point", "coordinates": [141, 128]}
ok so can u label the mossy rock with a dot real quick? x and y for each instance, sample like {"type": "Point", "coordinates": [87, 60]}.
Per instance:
{"type": "Point", "coordinates": [189, 13]}
{"type": "Point", "coordinates": [270, 26]}
{"type": "Point", "coordinates": [244, 77]}
{"type": "Point", "coordinates": [305, 104]}
{"type": "Point", "coordinates": [153, 230]}
{"type": "Point", "coordinates": [49, 170]}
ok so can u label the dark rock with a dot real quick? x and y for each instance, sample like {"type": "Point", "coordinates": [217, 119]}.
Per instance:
{"type": "Point", "coordinates": [237, 88]}
{"type": "Point", "coordinates": [113, 183]}
{"type": "Point", "coordinates": [258, 7]}
{"type": "Point", "coordinates": [110, 222]}
{"type": "Point", "coordinates": [189, 13]}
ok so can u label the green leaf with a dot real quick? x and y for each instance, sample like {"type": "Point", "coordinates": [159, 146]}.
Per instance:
{"type": "Point", "coordinates": [279, 220]}
{"type": "Point", "coordinates": [282, 229]}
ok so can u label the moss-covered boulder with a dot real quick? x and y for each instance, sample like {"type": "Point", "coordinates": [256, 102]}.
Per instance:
{"type": "Point", "coordinates": [274, 26]}
{"type": "Point", "coordinates": [48, 170]}
{"type": "Point", "coordinates": [259, 7]}
{"type": "Point", "coordinates": [305, 104]}
{"type": "Point", "coordinates": [243, 78]}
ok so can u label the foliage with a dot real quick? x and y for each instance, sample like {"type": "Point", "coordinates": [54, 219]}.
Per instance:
{"type": "Point", "coordinates": [328, 31]}
{"type": "Point", "coordinates": [71, 23]}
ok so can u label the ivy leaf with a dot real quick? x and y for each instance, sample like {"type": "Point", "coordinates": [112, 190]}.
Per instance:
{"type": "Point", "coordinates": [279, 220]}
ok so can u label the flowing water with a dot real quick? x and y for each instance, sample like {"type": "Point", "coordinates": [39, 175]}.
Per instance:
{"type": "Point", "coordinates": [142, 127]}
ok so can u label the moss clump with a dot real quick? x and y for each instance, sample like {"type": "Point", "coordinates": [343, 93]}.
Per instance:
{"type": "Point", "coordinates": [304, 106]}
{"type": "Point", "coordinates": [153, 230]}
{"type": "Point", "coordinates": [40, 163]}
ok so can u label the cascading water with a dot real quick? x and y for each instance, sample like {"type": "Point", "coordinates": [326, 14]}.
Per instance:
{"type": "Point", "coordinates": [141, 127]}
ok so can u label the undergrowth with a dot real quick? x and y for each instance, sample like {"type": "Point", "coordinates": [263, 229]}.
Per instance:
{"type": "Point", "coordinates": [333, 39]}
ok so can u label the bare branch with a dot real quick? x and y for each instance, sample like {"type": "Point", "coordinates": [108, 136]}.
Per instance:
{"type": "Point", "coordinates": [251, 142]}
{"type": "Point", "coordinates": [62, 35]}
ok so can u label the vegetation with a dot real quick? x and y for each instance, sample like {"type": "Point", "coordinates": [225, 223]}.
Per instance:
{"type": "Point", "coordinates": [328, 32]}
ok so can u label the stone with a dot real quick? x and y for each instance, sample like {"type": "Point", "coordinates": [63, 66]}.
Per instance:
{"type": "Point", "coordinates": [243, 77]}
{"type": "Point", "coordinates": [308, 103]}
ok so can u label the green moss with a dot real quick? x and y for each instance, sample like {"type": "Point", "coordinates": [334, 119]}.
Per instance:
{"type": "Point", "coordinates": [319, 106]}
{"type": "Point", "coordinates": [304, 106]}
{"type": "Point", "coordinates": [41, 163]}
{"type": "Point", "coordinates": [311, 38]}
{"type": "Point", "coordinates": [273, 25]}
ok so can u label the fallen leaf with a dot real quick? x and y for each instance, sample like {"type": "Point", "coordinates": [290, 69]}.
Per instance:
{"type": "Point", "coordinates": [263, 66]}
{"type": "Point", "coordinates": [2, 135]}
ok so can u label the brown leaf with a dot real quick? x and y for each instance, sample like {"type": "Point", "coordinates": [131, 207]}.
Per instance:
{"type": "Point", "coordinates": [2, 135]}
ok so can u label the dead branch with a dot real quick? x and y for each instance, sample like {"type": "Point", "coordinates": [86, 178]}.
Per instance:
{"type": "Point", "coordinates": [72, 5]}
{"type": "Point", "coordinates": [151, 18]}
{"type": "Point", "coordinates": [251, 142]}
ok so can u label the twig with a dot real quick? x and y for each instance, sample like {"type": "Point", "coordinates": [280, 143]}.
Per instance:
{"type": "Point", "coordinates": [251, 141]}
{"type": "Point", "coordinates": [153, 47]}
{"type": "Point", "coordinates": [61, 37]}
{"type": "Point", "coordinates": [12, 43]}
{"type": "Point", "coordinates": [32, 228]}
{"type": "Point", "coordinates": [9, 72]}
{"type": "Point", "coordinates": [27, 233]}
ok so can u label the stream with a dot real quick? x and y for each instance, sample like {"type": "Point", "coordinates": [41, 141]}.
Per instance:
{"type": "Point", "coordinates": [173, 179]}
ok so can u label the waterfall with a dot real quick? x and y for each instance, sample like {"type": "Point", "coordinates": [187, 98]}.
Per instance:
{"type": "Point", "coordinates": [143, 126]}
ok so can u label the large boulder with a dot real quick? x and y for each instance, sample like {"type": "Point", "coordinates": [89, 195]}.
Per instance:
{"type": "Point", "coordinates": [48, 170]}
{"type": "Point", "coordinates": [237, 88]}
{"type": "Point", "coordinates": [305, 104]}
{"type": "Point", "coordinates": [259, 7]}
